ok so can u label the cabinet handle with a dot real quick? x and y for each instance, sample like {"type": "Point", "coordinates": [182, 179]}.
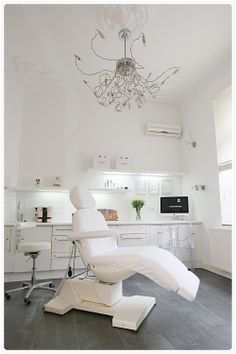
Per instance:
{"type": "Point", "coordinates": [63, 229]}
{"type": "Point", "coordinates": [60, 240]}
{"type": "Point", "coordinates": [55, 256]}
{"type": "Point", "coordinates": [134, 233]}
{"type": "Point", "coordinates": [9, 241]}
{"type": "Point", "coordinates": [132, 238]}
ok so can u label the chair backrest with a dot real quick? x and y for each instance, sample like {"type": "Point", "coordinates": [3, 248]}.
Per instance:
{"type": "Point", "coordinates": [87, 218]}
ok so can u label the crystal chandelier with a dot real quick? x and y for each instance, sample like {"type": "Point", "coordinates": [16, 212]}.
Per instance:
{"type": "Point", "coordinates": [125, 84]}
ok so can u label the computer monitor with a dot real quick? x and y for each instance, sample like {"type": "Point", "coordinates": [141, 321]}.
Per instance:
{"type": "Point", "coordinates": [174, 205]}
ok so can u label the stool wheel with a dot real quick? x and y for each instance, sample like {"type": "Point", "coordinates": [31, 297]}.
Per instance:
{"type": "Point", "coordinates": [7, 296]}
{"type": "Point", "coordinates": [27, 301]}
{"type": "Point", "coordinates": [51, 285]}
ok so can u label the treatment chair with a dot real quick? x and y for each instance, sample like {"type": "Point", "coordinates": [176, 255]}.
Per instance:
{"type": "Point", "coordinates": [110, 265]}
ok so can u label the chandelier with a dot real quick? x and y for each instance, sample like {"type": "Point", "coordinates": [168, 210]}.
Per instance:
{"type": "Point", "coordinates": [124, 85]}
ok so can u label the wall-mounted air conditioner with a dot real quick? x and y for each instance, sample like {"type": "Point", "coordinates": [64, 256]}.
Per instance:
{"type": "Point", "coordinates": [159, 129]}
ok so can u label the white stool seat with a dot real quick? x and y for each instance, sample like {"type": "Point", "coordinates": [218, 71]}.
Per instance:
{"type": "Point", "coordinates": [34, 246]}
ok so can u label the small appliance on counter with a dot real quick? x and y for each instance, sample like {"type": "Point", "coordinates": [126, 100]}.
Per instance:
{"type": "Point", "coordinates": [43, 214]}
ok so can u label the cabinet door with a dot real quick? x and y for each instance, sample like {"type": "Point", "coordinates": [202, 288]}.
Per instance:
{"type": "Point", "coordinates": [132, 235]}
{"type": "Point", "coordinates": [23, 263]}
{"type": "Point", "coordinates": [9, 243]}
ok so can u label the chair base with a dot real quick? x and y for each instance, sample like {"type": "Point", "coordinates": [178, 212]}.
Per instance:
{"type": "Point", "coordinates": [30, 287]}
{"type": "Point", "coordinates": [87, 295]}
{"type": "Point", "coordinates": [48, 285]}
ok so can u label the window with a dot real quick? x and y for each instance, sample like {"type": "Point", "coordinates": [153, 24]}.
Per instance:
{"type": "Point", "coordinates": [223, 124]}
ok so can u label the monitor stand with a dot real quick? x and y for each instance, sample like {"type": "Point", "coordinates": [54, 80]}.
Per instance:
{"type": "Point", "coordinates": [178, 217]}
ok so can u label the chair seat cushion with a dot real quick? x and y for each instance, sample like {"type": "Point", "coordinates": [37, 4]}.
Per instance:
{"type": "Point", "coordinates": [34, 246]}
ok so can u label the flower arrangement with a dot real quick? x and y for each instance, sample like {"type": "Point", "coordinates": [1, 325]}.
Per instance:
{"type": "Point", "coordinates": [137, 204]}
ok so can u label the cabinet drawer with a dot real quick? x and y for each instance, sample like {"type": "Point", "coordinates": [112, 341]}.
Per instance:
{"type": "Point", "coordinates": [132, 229]}
{"type": "Point", "coordinates": [132, 240]}
{"type": "Point", "coordinates": [62, 230]}
{"type": "Point", "coordinates": [61, 244]}
{"type": "Point", "coordinates": [60, 261]}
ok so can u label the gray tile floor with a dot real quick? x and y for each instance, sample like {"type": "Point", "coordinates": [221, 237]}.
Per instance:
{"type": "Point", "coordinates": [173, 324]}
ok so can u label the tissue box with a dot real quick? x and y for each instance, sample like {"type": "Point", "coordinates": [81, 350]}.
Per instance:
{"type": "Point", "coordinates": [102, 161]}
{"type": "Point", "coordinates": [122, 162]}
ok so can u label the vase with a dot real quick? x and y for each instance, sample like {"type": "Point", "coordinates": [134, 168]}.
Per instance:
{"type": "Point", "coordinates": [138, 214]}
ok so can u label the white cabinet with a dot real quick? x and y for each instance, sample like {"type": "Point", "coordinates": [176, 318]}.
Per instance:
{"type": "Point", "coordinates": [9, 244]}
{"type": "Point", "coordinates": [132, 235]}
{"type": "Point", "coordinates": [61, 248]}
{"type": "Point", "coordinates": [23, 263]}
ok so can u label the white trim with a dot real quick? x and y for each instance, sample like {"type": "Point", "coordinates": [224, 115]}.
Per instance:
{"type": "Point", "coordinates": [215, 270]}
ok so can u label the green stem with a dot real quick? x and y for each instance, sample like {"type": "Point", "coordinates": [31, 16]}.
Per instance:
{"type": "Point", "coordinates": [138, 216]}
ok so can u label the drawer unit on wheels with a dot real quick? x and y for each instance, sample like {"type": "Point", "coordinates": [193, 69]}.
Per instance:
{"type": "Point", "coordinates": [132, 235]}
{"type": "Point", "coordinates": [61, 248]}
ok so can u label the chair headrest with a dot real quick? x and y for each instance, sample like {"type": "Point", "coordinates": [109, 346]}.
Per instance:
{"type": "Point", "coordinates": [81, 198]}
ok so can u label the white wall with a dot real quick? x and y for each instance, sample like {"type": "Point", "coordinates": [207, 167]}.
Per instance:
{"type": "Point", "coordinates": [196, 110]}
{"type": "Point", "coordinates": [62, 131]}
{"type": "Point", "coordinates": [13, 111]}
{"type": "Point", "coordinates": [42, 141]}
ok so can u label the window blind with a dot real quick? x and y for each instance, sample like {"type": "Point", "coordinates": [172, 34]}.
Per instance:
{"type": "Point", "coordinates": [223, 124]}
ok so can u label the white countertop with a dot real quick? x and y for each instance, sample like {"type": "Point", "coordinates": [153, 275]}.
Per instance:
{"type": "Point", "coordinates": [155, 222]}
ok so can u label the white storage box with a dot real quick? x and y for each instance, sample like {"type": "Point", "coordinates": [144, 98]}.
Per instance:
{"type": "Point", "coordinates": [122, 162]}
{"type": "Point", "coordinates": [102, 161]}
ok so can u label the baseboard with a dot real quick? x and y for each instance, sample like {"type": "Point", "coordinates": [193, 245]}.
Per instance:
{"type": "Point", "coordinates": [215, 270]}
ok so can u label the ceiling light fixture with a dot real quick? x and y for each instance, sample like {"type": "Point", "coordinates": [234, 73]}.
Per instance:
{"type": "Point", "coordinates": [125, 84]}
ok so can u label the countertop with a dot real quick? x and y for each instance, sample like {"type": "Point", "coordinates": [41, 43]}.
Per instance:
{"type": "Point", "coordinates": [155, 222]}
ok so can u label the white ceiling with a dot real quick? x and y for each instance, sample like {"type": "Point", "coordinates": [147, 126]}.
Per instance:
{"type": "Point", "coordinates": [40, 41]}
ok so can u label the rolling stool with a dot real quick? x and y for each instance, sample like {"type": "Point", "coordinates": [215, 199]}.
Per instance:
{"type": "Point", "coordinates": [33, 250]}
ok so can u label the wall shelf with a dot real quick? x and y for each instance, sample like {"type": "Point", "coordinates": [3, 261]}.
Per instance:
{"type": "Point", "coordinates": [57, 190]}
{"type": "Point", "coordinates": [114, 191]}
{"type": "Point", "coordinates": [113, 171]}
{"type": "Point", "coordinates": [39, 189]}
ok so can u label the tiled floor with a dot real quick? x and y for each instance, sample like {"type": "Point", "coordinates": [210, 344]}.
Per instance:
{"type": "Point", "coordinates": [173, 324]}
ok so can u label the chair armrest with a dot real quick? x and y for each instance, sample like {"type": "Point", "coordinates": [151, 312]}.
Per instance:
{"type": "Point", "coordinates": [76, 235]}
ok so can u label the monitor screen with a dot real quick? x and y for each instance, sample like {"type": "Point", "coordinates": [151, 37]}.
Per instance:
{"type": "Point", "coordinates": [174, 205]}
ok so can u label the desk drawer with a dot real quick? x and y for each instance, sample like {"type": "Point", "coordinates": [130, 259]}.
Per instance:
{"type": "Point", "coordinates": [132, 240]}
{"type": "Point", "coordinates": [60, 261]}
{"type": "Point", "coordinates": [132, 229]}
{"type": "Point", "coordinates": [62, 230]}
{"type": "Point", "coordinates": [61, 244]}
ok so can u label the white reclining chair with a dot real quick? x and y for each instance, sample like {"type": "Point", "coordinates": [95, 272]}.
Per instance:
{"type": "Point", "coordinates": [110, 265]}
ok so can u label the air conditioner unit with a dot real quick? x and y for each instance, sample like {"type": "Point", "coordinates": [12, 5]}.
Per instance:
{"type": "Point", "coordinates": [158, 129]}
